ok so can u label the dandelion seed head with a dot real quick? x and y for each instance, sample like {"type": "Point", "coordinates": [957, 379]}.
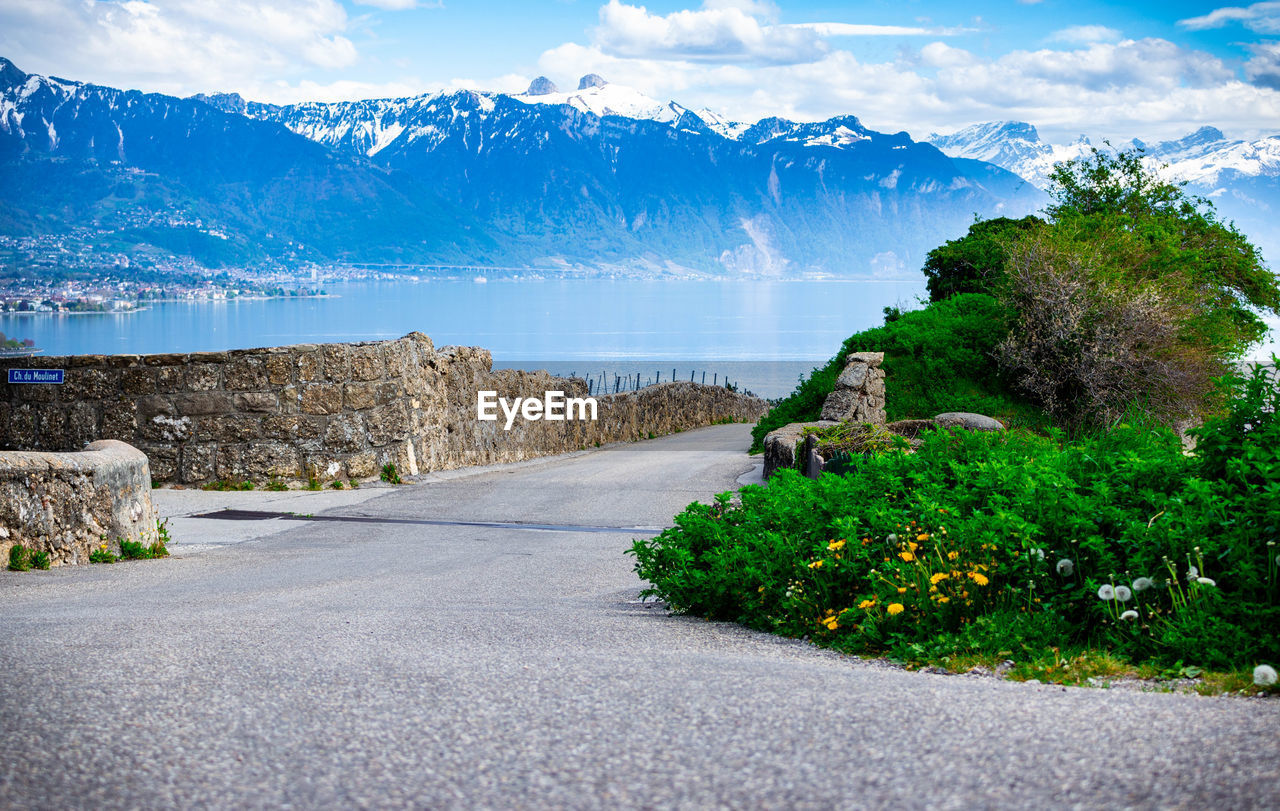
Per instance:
{"type": "Point", "coordinates": [1106, 592]}
{"type": "Point", "coordinates": [1206, 581]}
{"type": "Point", "coordinates": [1192, 573]}
{"type": "Point", "coordinates": [1065, 567]}
{"type": "Point", "coordinates": [1123, 594]}
{"type": "Point", "coordinates": [1264, 675]}
{"type": "Point", "coordinates": [1129, 616]}
{"type": "Point", "coordinates": [1142, 584]}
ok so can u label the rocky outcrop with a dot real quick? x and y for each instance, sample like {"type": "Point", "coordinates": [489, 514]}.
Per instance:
{"type": "Point", "coordinates": [968, 421]}
{"type": "Point", "coordinates": [68, 504]}
{"type": "Point", "coordinates": [859, 391]}
{"type": "Point", "coordinates": [328, 410]}
{"type": "Point", "coordinates": [782, 448]}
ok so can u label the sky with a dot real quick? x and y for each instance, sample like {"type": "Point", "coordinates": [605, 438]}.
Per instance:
{"type": "Point", "coordinates": [1151, 70]}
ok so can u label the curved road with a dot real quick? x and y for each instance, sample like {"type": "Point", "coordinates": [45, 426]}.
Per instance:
{"type": "Point", "coordinates": [356, 664]}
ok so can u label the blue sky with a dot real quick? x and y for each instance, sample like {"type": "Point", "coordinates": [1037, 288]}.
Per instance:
{"type": "Point", "coordinates": [1148, 70]}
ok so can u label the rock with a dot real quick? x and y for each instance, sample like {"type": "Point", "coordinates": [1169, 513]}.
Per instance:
{"type": "Point", "coordinates": [541, 86]}
{"type": "Point", "coordinates": [591, 80]}
{"type": "Point", "coordinates": [968, 421]}
{"type": "Point", "coordinates": [858, 395]}
{"type": "Point", "coordinates": [780, 446]}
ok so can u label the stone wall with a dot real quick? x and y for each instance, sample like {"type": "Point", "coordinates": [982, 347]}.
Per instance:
{"type": "Point", "coordinates": [326, 410]}
{"type": "Point", "coordinates": [66, 504]}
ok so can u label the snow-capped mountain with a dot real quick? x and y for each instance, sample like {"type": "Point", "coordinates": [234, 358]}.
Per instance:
{"type": "Point", "coordinates": [1242, 178]}
{"type": "Point", "coordinates": [600, 176]}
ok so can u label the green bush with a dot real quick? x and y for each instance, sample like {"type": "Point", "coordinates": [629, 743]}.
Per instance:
{"type": "Point", "coordinates": [941, 358]}
{"type": "Point", "coordinates": [996, 542]}
{"type": "Point", "coordinates": [975, 262]}
{"type": "Point", "coordinates": [19, 558]}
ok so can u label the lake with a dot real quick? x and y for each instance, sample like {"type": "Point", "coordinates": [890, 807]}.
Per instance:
{"type": "Point", "coordinates": [763, 335]}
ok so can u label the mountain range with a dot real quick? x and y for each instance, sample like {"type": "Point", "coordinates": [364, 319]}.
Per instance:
{"type": "Point", "coordinates": [600, 178]}
{"type": "Point", "coordinates": [1241, 178]}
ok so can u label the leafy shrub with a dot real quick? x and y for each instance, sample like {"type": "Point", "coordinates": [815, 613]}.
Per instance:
{"type": "Point", "coordinates": [19, 558]}
{"type": "Point", "coordinates": [975, 262]}
{"type": "Point", "coordinates": [941, 358]}
{"type": "Point", "coordinates": [389, 474]}
{"type": "Point", "coordinates": [1004, 540]}
{"type": "Point", "coordinates": [39, 559]}
{"type": "Point", "coordinates": [1089, 345]}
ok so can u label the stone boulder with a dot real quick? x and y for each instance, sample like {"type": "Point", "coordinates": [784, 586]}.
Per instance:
{"type": "Point", "coordinates": [782, 446]}
{"type": "Point", "coordinates": [858, 395]}
{"type": "Point", "coordinates": [968, 421]}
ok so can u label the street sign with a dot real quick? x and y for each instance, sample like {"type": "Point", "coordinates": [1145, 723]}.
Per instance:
{"type": "Point", "coordinates": [36, 375]}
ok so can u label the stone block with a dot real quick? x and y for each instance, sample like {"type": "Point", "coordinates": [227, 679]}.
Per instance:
{"type": "Point", "coordinates": [345, 434]}
{"type": "Point", "coordinates": [322, 398]}
{"type": "Point", "coordinates": [225, 428]}
{"type": "Point", "coordinates": [386, 392]}
{"type": "Point", "coordinates": [245, 374]}
{"type": "Point", "coordinates": [291, 427]}
{"type": "Point", "coordinates": [204, 376]}
{"type": "Point", "coordinates": [163, 461]}
{"type": "Point", "coordinates": [119, 421]}
{"type": "Point", "coordinates": [138, 380]}
{"type": "Point", "coordinates": [204, 402]}
{"type": "Point", "coordinates": [367, 362]}
{"type": "Point", "coordinates": [197, 462]}
{"type": "Point", "coordinates": [82, 425]}
{"type": "Point", "coordinates": [854, 376]}
{"type": "Point", "coordinates": [386, 424]}
{"type": "Point", "coordinates": [51, 428]}
{"type": "Point", "coordinates": [170, 379]}
{"type": "Point", "coordinates": [359, 396]}
{"type": "Point", "coordinates": [154, 405]}
{"type": "Point", "coordinates": [337, 362]}
{"type": "Point", "coordinates": [308, 366]}
{"type": "Point", "coordinates": [363, 465]}
{"type": "Point", "coordinates": [86, 384]}
{"type": "Point", "coordinates": [257, 401]}
{"type": "Point", "coordinates": [165, 428]}
{"type": "Point", "coordinates": [968, 421]}
{"type": "Point", "coordinates": [279, 369]}
{"type": "Point", "coordinates": [22, 426]}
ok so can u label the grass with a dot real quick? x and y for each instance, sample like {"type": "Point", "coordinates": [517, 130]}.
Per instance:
{"type": "Point", "coordinates": [389, 474]}
{"type": "Point", "coordinates": [227, 484]}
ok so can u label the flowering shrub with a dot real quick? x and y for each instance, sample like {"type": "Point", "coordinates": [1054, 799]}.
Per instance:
{"type": "Point", "coordinates": [989, 542]}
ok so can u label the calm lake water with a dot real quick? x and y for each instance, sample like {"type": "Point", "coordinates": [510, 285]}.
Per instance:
{"type": "Point", "coordinates": [761, 334]}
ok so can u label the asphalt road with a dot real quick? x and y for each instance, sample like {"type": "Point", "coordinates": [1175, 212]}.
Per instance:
{"type": "Point", "coordinates": [358, 664]}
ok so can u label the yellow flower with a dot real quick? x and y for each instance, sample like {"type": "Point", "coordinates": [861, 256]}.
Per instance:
{"type": "Point", "coordinates": [938, 578]}
{"type": "Point", "coordinates": [980, 579]}
{"type": "Point", "coordinates": [817, 564]}
{"type": "Point", "coordinates": [895, 609]}
{"type": "Point", "coordinates": [923, 536]}
{"type": "Point", "coordinates": [907, 556]}
{"type": "Point", "coordinates": [952, 555]}
{"type": "Point", "coordinates": [902, 590]}
{"type": "Point", "coordinates": [914, 546]}
{"type": "Point", "coordinates": [944, 599]}
{"type": "Point", "coordinates": [836, 545]}
{"type": "Point", "coordinates": [866, 603]}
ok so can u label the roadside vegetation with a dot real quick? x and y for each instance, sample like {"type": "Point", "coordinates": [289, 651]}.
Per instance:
{"type": "Point", "coordinates": [1083, 543]}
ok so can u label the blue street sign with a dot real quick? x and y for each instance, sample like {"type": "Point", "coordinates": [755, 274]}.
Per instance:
{"type": "Point", "coordinates": [35, 375]}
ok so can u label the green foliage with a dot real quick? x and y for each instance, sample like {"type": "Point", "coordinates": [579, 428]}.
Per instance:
{"type": "Point", "coordinates": [277, 486]}
{"type": "Point", "coordinates": [227, 484]}
{"type": "Point", "coordinates": [941, 358]}
{"type": "Point", "coordinates": [102, 555]}
{"type": "Point", "coordinates": [337, 484]}
{"type": "Point", "coordinates": [354, 484]}
{"type": "Point", "coordinates": [313, 483]}
{"type": "Point", "coordinates": [19, 558]}
{"type": "Point", "coordinates": [389, 474]}
{"type": "Point", "coordinates": [975, 262]}
{"type": "Point", "coordinates": [1002, 542]}
{"type": "Point", "coordinates": [1149, 230]}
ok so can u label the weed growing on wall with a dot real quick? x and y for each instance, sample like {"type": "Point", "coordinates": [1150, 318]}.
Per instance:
{"type": "Point", "coordinates": [389, 474]}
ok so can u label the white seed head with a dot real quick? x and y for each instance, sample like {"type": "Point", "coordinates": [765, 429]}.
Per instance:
{"type": "Point", "coordinates": [1106, 592]}
{"type": "Point", "coordinates": [1192, 573]}
{"type": "Point", "coordinates": [1142, 584]}
{"type": "Point", "coordinates": [1123, 594]}
{"type": "Point", "coordinates": [1129, 616]}
{"type": "Point", "coordinates": [1205, 581]}
{"type": "Point", "coordinates": [1264, 675]}
{"type": "Point", "coordinates": [1066, 567]}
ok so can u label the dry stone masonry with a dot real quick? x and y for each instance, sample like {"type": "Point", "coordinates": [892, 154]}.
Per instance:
{"type": "Point", "coordinates": [67, 504]}
{"type": "Point", "coordinates": [326, 410]}
{"type": "Point", "coordinates": [859, 391]}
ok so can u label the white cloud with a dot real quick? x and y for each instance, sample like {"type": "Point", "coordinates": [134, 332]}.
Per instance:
{"type": "Point", "coordinates": [1264, 68]}
{"type": "Point", "coordinates": [1146, 88]}
{"type": "Point", "coordinates": [1085, 34]}
{"type": "Point", "coordinates": [179, 46]}
{"type": "Point", "coordinates": [1263, 18]}
{"type": "Point", "coordinates": [726, 31]}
